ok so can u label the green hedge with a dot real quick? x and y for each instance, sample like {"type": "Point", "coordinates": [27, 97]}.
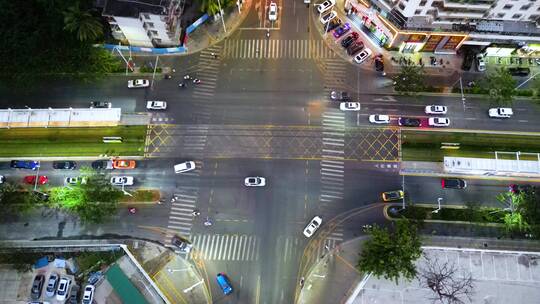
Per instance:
{"type": "Point", "coordinates": [479, 215]}
{"type": "Point", "coordinates": [146, 69]}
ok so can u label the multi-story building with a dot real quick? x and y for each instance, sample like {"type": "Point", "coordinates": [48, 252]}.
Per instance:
{"type": "Point", "coordinates": [442, 26]}
{"type": "Point", "coordinates": [147, 23]}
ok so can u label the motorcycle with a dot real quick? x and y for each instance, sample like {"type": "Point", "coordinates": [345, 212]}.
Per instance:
{"type": "Point", "coordinates": [182, 85]}
{"type": "Point", "coordinates": [167, 76]}
{"type": "Point", "coordinates": [132, 210]}
{"type": "Point", "coordinates": [188, 77]}
{"type": "Point", "coordinates": [196, 81]}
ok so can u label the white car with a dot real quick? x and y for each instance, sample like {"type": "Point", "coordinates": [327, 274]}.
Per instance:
{"type": "Point", "coordinates": [88, 295]}
{"type": "Point", "coordinates": [326, 5]}
{"type": "Point", "coordinates": [326, 18]}
{"type": "Point", "coordinates": [434, 109]}
{"type": "Point", "coordinates": [73, 180]}
{"type": "Point", "coordinates": [312, 226]}
{"type": "Point", "coordinates": [122, 180]}
{"type": "Point", "coordinates": [138, 83]}
{"type": "Point", "coordinates": [480, 63]}
{"type": "Point", "coordinates": [156, 105]}
{"type": "Point", "coordinates": [272, 11]}
{"type": "Point", "coordinates": [500, 112]}
{"type": "Point", "coordinates": [63, 289]}
{"type": "Point", "coordinates": [438, 121]}
{"type": "Point", "coordinates": [379, 119]}
{"type": "Point", "coordinates": [349, 106]}
{"type": "Point", "coordinates": [255, 181]}
{"type": "Point", "coordinates": [184, 167]}
{"type": "Point", "coordinates": [362, 56]}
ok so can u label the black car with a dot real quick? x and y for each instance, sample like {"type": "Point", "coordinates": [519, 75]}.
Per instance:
{"type": "Point", "coordinates": [332, 24]}
{"type": "Point", "coordinates": [521, 72]}
{"type": "Point", "coordinates": [100, 104]}
{"type": "Point", "coordinates": [379, 64]}
{"type": "Point", "coordinates": [340, 96]}
{"type": "Point", "coordinates": [409, 122]}
{"type": "Point", "coordinates": [37, 286]}
{"type": "Point", "coordinates": [64, 165]}
{"type": "Point", "coordinates": [102, 164]}
{"type": "Point", "coordinates": [355, 48]}
{"type": "Point", "coordinates": [453, 183]}
{"type": "Point", "coordinates": [347, 41]}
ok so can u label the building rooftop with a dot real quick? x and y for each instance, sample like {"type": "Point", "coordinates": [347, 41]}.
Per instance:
{"type": "Point", "coordinates": [132, 8]}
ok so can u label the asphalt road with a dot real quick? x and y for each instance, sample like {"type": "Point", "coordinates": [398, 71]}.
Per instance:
{"type": "Point", "coordinates": [262, 109]}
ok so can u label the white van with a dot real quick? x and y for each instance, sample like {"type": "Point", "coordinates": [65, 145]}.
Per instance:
{"type": "Point", "coordinates": [184, 167]}
{"type": "Point", "coordinates": [307, 1]}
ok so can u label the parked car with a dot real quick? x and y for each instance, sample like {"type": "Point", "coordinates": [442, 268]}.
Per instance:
{"type": "Point", "coordinates": [2, 179]}
{"type": "Point", "coordinates": [184, 167]}
{"type": "Point", "coordinates": [480, 63]}
{"type": "Point", "coordinates": [138, 83]}
{"type": "Point", "coordinates": [326, 5]}
{"type": "Point", "coordinates": [409, 122]}
{"type": "Point", "coordinates": [379, 63]}
{"type": "Point", "coordinates": [25, 164]}
{"type": "Point", "coordinates": [74, 180]}
{"type": "Point", "coordinates": [103, 164]}
{"type": "Point", "coordinates": [63, 289]}
{"type": "Point", "coordinates": [340, 31]}
{"type": "Point", "coordinates": [379, 119]}
{"type": "Point", "coordinates": [181, 244]}
{"type": "Point", "coordinates": [124, 164]}
{"type": "Point", "coordinates": [31, 179]}
{"type": "Point", "coordinates": [88, 295]}
{"type": "Point", "coordinates": [453, 183]}
{"type": "Point", "coordinates": [100, 104]}
{"type": "Point", "coordinates": [521, 72]}
{"type": "Point", "coordinates": [340, 95]}
{"type": "Point", "coordinates": [64, 165]}
{"type": "Point", "coordinates": [272, 11]}
{"type": "Point", "coordinates": [313, 225]}
{"type": "Point", "coordinates": [37, 286]}
{"type": "Point", "coordinates": [332, 24]}
{"type": "Point", "coordinates": [327, 17]}
{"type": "Point", "coordinates": [122, 180]}
{"type": "Point", "coordinates": [435, 109]}
{"type": "Point", "coordinates": [393, 195]}
{"type": "Point", "coordinates": [354, 48]}
{"type": "Point", "coordinates": [349, 106]}
{"type": "Point", "coordinates": [52, 283]}
{"type": "Point", "coordinates": [347, 41]}
{"type": "Point", "coordinates": [224, 283]}
{"type": "Point", "coordinates": [156, 105]}
{"type": "Point", "coordinates": [362, 56]}
{"type": "Point", "coordinates": [74, 295]}
{"type": "Point", "coordinates": [500, 112]}
{"type": "Point", "coordinates": [255, 181]}
{"type": "Point", "coordinates": [438, 121]}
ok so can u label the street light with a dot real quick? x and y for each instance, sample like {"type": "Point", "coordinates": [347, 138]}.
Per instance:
{"type": "Point", "coordinates": [193, 286]}
{"type": "Point", "coordinates": [439, 200]}
{"type": "Point", "coordinates": [177, 270]}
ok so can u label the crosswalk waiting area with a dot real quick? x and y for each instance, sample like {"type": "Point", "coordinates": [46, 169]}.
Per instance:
{"type": "Point", "coordinates": [275, 49]}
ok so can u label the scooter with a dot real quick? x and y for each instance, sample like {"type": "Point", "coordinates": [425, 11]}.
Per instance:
{"type": "Point", "coordinates": [182, 85]}
{"type": "Point", "coordinates": [196, 81]}
{"type": "Point", "coordinates": [187, 77]}
{"type": "Point", "coordinates": [167, 76]}
{"type": "Point", "coordinates": [132, 210]}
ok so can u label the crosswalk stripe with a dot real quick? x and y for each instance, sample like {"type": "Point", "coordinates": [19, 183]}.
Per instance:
{"type": "Point", "coordinates": [331, 170]}
{"type": "Point", "coordinates": [274, 48]}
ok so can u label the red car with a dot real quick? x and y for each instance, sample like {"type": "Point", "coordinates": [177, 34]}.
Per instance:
{"type": "Point", "coordinates": [124, 164]}
{"type": "Point", "coordinates": [31, 179]}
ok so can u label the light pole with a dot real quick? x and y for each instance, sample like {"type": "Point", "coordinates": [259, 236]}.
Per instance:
{"type": "Point", "coordinates": [125, 192]}
{"type": "Point", "coordinates": [403, 189]}
{"type": "Point", "coordinates": [29, 115]}
{"type": "Point", "coordinates": [439, 200]}
{"type": "Point", "coordinates": [222, 17]}
{"type": "Point", "coordinates": [193, 286]}
{"type": "Point", "coordinates": [154, 73]}
{"type": "Point", "coordinates": [177, 270]}
{"type": "Point", "coordinates": [527, 80]}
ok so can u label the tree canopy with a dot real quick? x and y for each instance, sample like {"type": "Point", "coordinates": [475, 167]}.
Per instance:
{"type": "Point", "coordinates": [501, 86]}
{"type": "Point", "coordinates": [93, 200]}
{"type": "Point", "coordinates": [391, 253]}
{"type": "Point", "coordinates": [410, 79]}
{"type": "Point", "coordinates": [43, 39]}
{"type": "Point", "coordinates": [15, 200]}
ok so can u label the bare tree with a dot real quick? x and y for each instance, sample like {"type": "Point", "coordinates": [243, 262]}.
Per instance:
{"type": "Point", "coordinates": [449, 284]}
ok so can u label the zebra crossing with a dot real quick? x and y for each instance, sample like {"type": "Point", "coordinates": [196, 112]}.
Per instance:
{"type": "Point", "coordinates": [182, 206]}
{"type": "Point", "coordinates": [225, 247]}
{"type": "Point", "coordinates": [163, 118]}
{"type": "Point", "coordinates": [194, 140]}
{"type": "Point", "coordinates": [276, 49]}
{"type": "Point", "coordinates": [204, 92]}
{"type": "Point", "coordinates": [332, 162]}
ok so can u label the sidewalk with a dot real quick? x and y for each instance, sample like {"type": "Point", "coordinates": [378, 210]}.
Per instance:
{"type": "Point", "coordinates": [334, 278]}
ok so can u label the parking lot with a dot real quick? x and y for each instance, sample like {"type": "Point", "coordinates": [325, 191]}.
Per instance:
{"type": "Point", "coordinates": [499, 277]}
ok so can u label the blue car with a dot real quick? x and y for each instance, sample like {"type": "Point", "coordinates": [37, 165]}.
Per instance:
{"type": "Point", "coordinates": [340, 31]}
{"type": "Point", "coordinates": [25, 164]}
{"type": "Point", "coordinates": [223, 282]}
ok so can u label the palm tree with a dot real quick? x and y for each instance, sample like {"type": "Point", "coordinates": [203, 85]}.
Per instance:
{"type": "Point", "coordinates": [82, 23]}
{"type": "Point", "coordinates": [211, 7]}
